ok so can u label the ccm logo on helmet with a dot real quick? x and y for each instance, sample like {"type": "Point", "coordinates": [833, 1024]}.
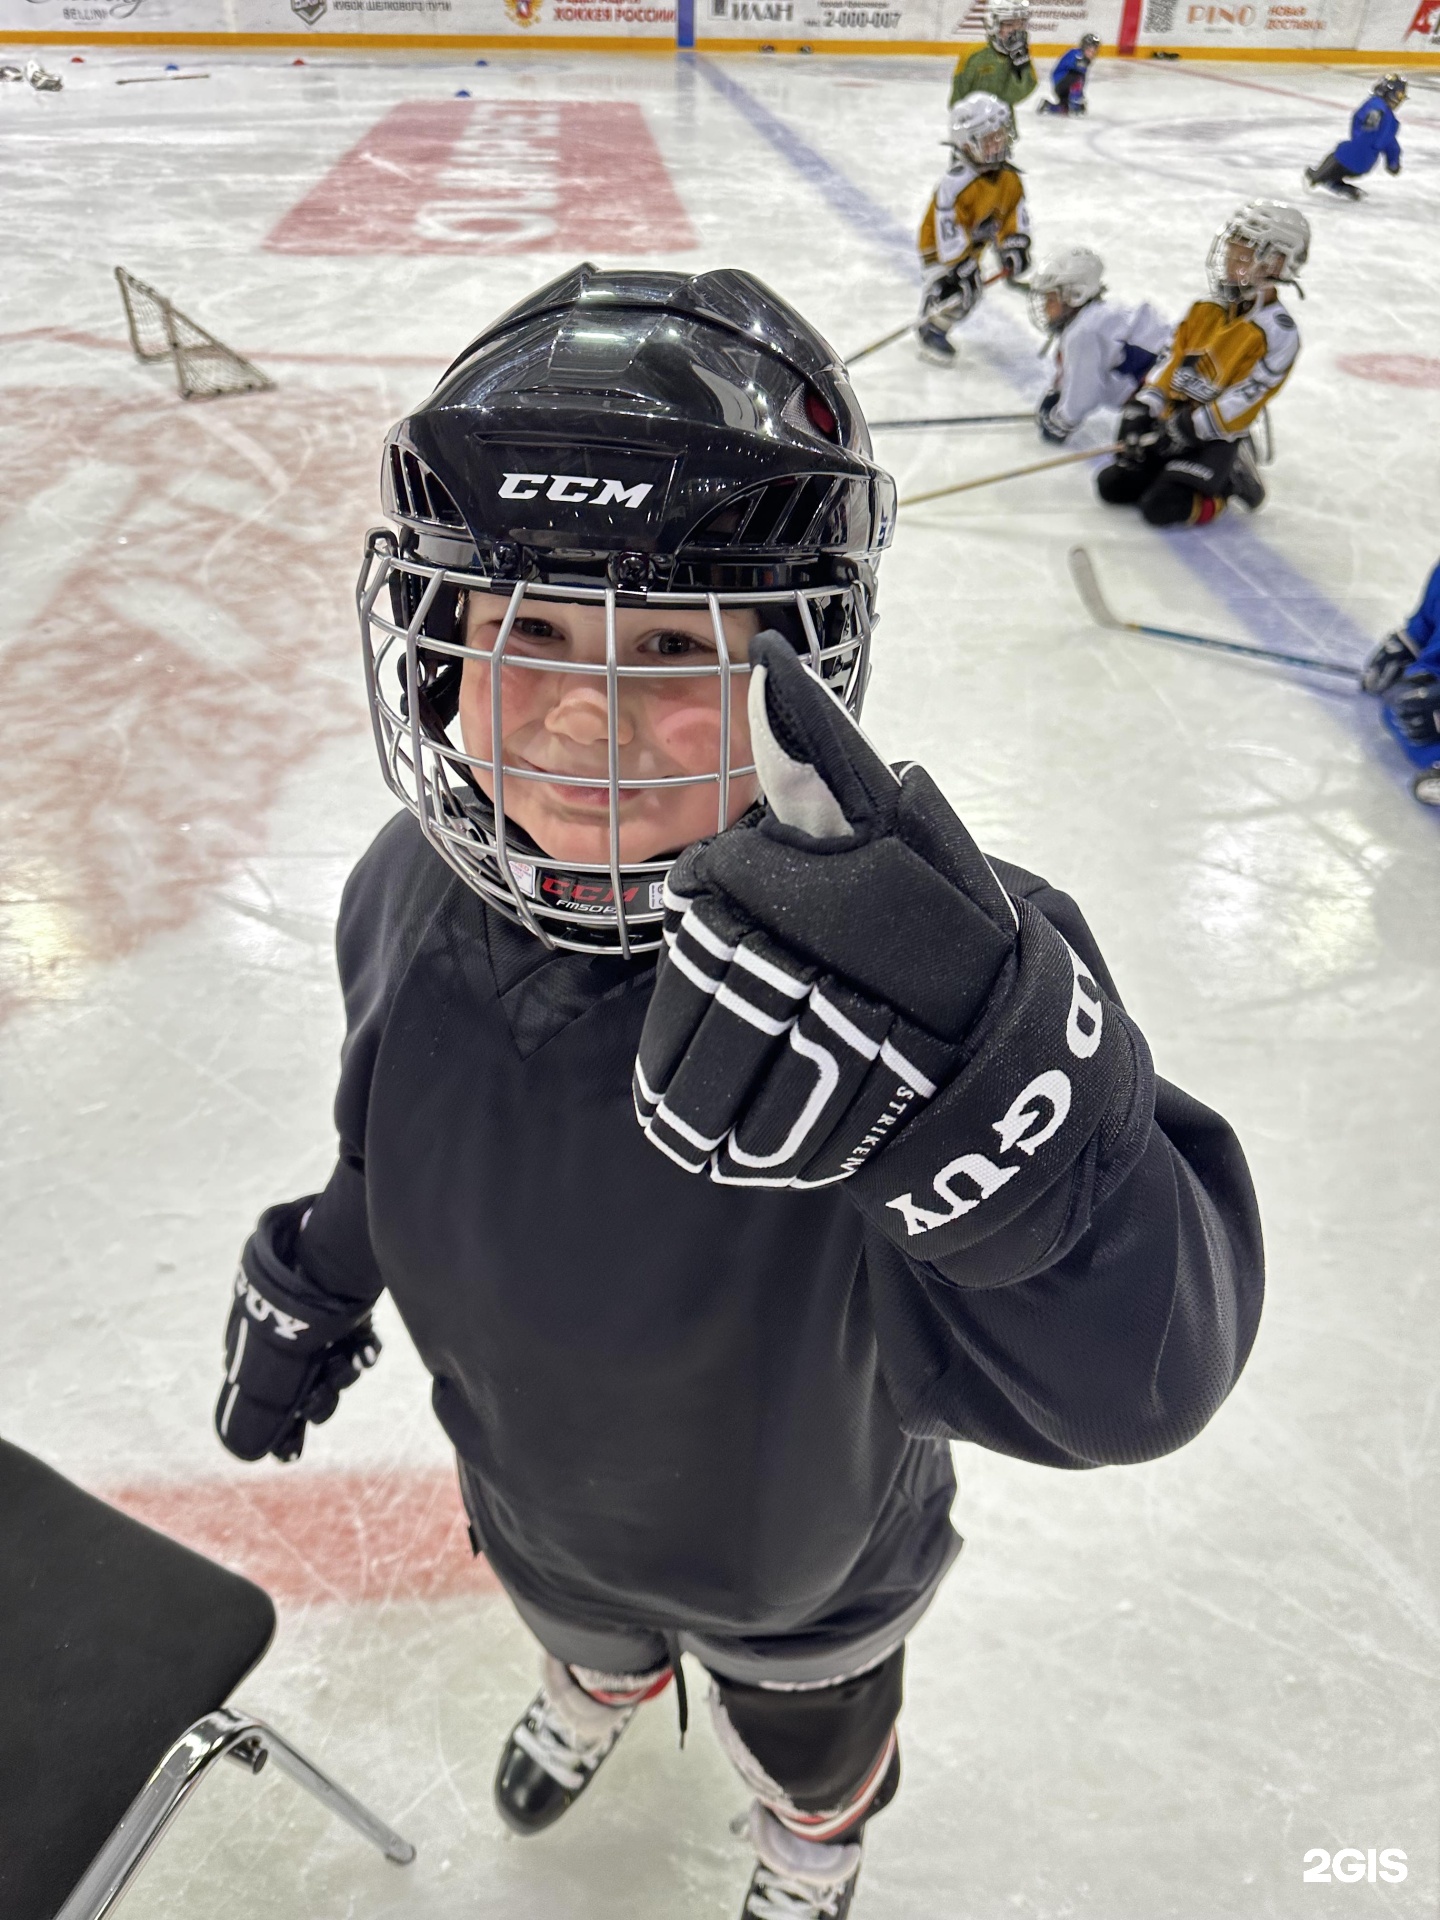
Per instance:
{"type": "Point", "coordinates": [571, 489]}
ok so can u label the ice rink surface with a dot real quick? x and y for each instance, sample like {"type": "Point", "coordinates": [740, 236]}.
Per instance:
{"type": "Point", "coordinates": [1143, 1693]}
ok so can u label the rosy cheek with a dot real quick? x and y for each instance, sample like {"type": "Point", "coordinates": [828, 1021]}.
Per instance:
{"type": "Point", "coordinates": [689, 736]}
{"type": "Point", "coordinates": [524, 697]}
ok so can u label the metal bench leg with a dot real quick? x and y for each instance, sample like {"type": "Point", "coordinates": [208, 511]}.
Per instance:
{"type": "Point", "coordinates": [344, 1804]}
{"type": "Point", "coordinates": [223, 1732]}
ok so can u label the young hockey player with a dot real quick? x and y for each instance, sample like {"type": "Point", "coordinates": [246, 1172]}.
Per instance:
{"type": "Point", "coordinates": [1404, 671]}
{"type": "Point", "coordinates": [1186, 433]}
{"type": "Point", "coordinates": [979, 202]}
{"type": "Point", "coordinates": [1101, 350]}
{"type": "Point", "coordinates": [1374, 130]}
{"type": "Point", "coordinates": [903, 1173]}
{"type": "Point", "coordinates": [1003, 66]}
{"type": "Point", "coordinates": [1069, 74]}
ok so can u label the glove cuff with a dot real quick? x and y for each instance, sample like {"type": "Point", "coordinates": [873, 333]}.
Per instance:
{"type": "Point", "coordinates": [1055, 1074]}
{"type": "Point", "coordinates": [271, 1292]}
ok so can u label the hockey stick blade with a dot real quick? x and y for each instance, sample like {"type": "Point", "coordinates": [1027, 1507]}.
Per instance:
{"type": "Point", "coordinates": [1082, 572]}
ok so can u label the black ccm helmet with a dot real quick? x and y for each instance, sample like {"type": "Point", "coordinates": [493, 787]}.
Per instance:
{"type": "Point", "coordinates": [619, 440]}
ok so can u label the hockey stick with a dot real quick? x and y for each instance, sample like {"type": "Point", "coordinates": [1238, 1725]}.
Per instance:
{"type": "Point", "coordinates": [1012, 473]}
{"type": "Point", "coordinates": [1082, 572]}
{"type": "Point", "coordinates": [910, 325]}
{"type": "Point", "coordinates": [884, 341]}
{"type": "Point", "coordinates": [956, 420]}
{"type": "Point", "coordinates": [146, 79]}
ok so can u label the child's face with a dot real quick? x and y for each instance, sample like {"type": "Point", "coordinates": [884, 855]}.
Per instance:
{"type": "Point", "coordinates": [558, 723]}
{"type": "Point", "coordinates": [1240, 264]}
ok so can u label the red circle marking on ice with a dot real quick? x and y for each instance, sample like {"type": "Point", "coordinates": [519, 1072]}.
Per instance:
{"type": "Point", "coordinates": [308, 1536]}
{"type": "Point", "coordinates": [1392, 369]}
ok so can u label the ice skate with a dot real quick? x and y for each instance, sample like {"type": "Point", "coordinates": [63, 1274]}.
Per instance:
{"type": "Point", "coordinates": [934, 344]}
{"type": "Point", "coordinates": [556, 1749]}
{"type": "Point", "coordinates": [1245, 476]}
{"type": "Point", "coordinates": [40, 80]}
{"type": "Point", "coordinates": [798, 1879]}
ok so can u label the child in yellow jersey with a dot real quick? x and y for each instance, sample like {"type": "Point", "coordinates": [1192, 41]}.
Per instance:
{"type": "Point", "coordinates": [1186, 435]}
{"type": "Point", "coordinates": [980, 202]}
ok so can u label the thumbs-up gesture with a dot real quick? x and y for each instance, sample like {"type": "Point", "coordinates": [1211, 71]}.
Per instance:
{"type": "Point", "coordinates": [825, 962]}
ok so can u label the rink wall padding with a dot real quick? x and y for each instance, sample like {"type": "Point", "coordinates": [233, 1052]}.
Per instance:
{"type": "Point", "coordinates": [1395, 32]}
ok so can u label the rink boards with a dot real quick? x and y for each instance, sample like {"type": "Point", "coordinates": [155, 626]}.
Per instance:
{"type": "Point", "coordinates": [1402, 31]}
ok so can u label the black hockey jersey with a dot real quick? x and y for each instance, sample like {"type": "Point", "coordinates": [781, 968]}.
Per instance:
{"type": "Point", "coordinates": [718, 1409]}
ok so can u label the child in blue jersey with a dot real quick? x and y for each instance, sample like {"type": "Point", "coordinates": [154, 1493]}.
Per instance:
{"type": "Point", "coordinates": [1373, 131]}
{"type": "Point", "coordinates": [1068, 77]}
{"type": "Point", "coordinates": [1404, 671]}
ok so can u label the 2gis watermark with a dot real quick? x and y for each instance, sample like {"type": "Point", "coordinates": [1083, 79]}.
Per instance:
{"type": "Point", "coordinates": [1351, 1865]}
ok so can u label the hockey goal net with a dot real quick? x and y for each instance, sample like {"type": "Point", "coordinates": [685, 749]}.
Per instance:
{"type": "Point", "coordinates": [204, 366]}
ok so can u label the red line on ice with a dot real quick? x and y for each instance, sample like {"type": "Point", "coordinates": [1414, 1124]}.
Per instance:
{"type": "Point", "coordinates": [312, 1535]}
{"type": "Point", "coordinates": [495, 177]}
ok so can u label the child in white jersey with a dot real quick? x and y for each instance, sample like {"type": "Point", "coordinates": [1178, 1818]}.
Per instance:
{"type": "Point", "coordinates": [1101, 351]}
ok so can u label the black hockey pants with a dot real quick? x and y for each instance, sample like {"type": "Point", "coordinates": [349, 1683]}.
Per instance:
{"type": "Point", "coordinates": [1330, 173]}
{"type": "Point", "coordinates": [822, 1756]}
{"type": "Point", "coordinates": [1176, 489]}
{"type": "Point", "coordinates": [1070, 94]}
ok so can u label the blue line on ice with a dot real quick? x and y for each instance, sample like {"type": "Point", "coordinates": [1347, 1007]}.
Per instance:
{"type": "Point", "coordinates": [852, 203]}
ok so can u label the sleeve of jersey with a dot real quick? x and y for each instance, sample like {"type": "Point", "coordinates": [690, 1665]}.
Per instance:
{"type": "Point", "coordinates": [964, 80]}
{"type": "Point", "coordinates": [1078, 1296]}
{"type": "Point", "coordinates": [1234, 411]}
{"type": "Point", "coordinates": [380, 913]}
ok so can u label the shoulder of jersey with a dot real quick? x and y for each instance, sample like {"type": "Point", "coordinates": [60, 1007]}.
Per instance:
{"type": "Point", "coordinates": [1278, 325]}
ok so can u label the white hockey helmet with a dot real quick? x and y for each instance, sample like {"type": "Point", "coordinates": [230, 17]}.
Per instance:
{"type": "Point", "coordinates": [1076, 275]}
{"type": "Point", "coordinates": [1277, 238]}
{"type": "Point", "coordinates": [1007, 28]}
{"type": "Point", "coordinates": [980, 130]}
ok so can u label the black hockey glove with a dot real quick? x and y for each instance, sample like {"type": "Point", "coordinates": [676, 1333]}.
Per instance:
{"type": "Point", "coordinates": [1415, 707]}
{"type": "Point", "coordinates": [285, 1366]}
{"type": "Point", "coordinates": [1045, 420]}
{"type": "Point", "coordinates": [1142, 432]}
{"type": "Point", "coordinates": [950, 295]}
{"type": "Point", "coordinates": [1179, 434]}
{"type": "Point", "coordinates": [826, 958]}
{"type": "Point", "coordinates": [1394, 655]}
{"type": "Point", "coordinates": [1014, 255]}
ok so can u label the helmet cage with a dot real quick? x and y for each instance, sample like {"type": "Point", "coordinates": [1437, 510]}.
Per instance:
{"type": "Point", "coordinates": [1007, 28]}
{"type": "Point", "coordinates": [1276, 257]}
{"type": "Point", "coordinates": [411, 610]}
{"type": "Point", "coordinates": [1076, 275]}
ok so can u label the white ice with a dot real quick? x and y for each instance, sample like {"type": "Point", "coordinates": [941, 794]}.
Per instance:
{"type": "Point", "coordinates": [1143, 1693]}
